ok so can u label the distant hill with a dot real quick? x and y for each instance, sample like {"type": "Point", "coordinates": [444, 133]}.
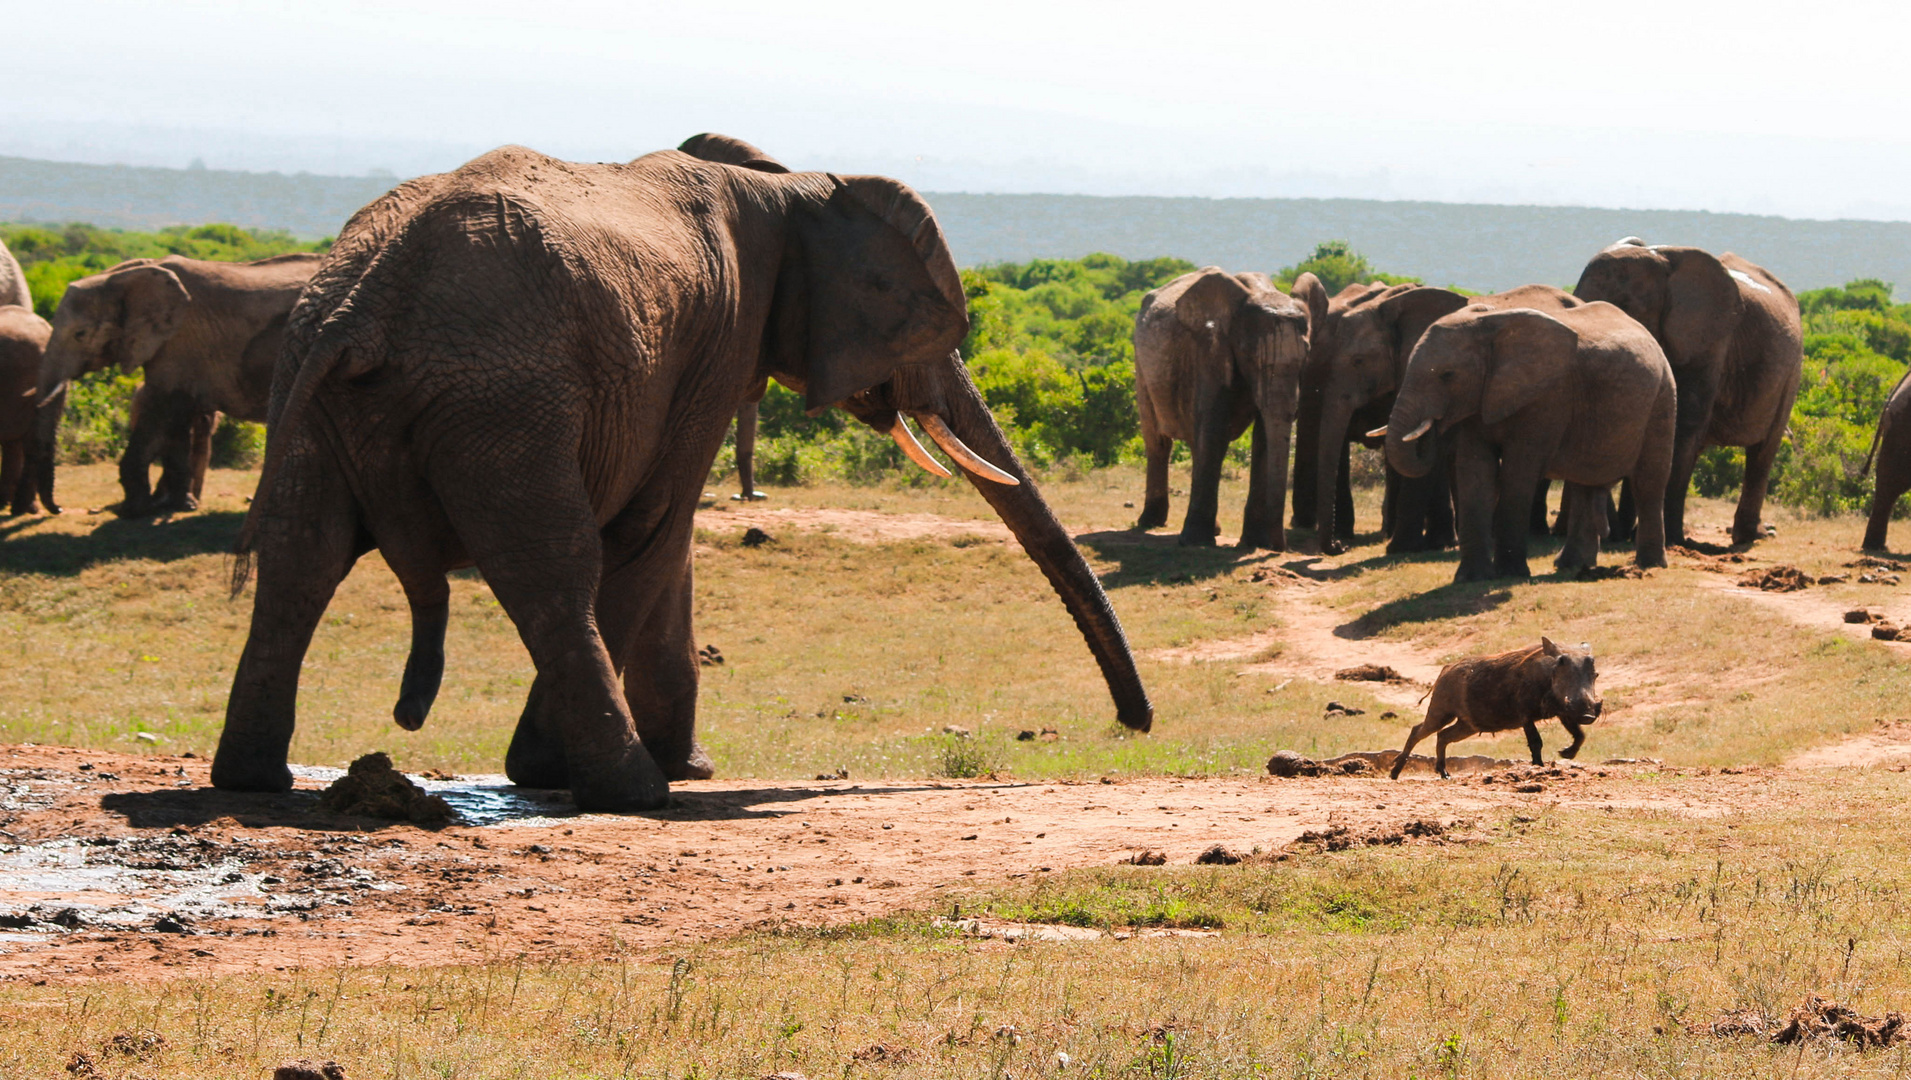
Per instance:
{"type": "Point", "coordinates": [1478, 246]}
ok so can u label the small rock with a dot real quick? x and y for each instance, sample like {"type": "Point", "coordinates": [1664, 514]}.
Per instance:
{"type": "Point", "coordinates": [1335, 708]}
{"type": "Point", "coordinates": [146, 736]}
{"type": "Point", "coordinates": [956, 730]}
{"type": "Point", "coordinates": [1356, 766]}
{"type": "Point", "coordinates": [1217, 856]}
{"type": "Point", "coordinates": [1833, 579]}
{"type": "Point", "coordinates": [1128, 506]}
{"type": "Point", "coordinates": [1025, 736]}
{"type": "Point", "coordinates": [1860, 615]}
{"type": "Point", "coordinates": [307, 1069]}
{"type": "Point", "coordinates": [167, 924]}
{"type": "Point", "coordinates": [755, 537]}
{"type": "Point", "coordinates": [1390, 715]}
{"type": "Point", "coordinates": [1147, 858]}
{"type": "Point", "coordinates": [1886, 632]}
{"type": "Point", "coordinates": [709, 656]}
{"type": "Point", "coordinates": [1369, 673]}
{"type": "Point", "coordinates": [1049, 734]}
{"type": "Point", "coordinates": [1530, 789]}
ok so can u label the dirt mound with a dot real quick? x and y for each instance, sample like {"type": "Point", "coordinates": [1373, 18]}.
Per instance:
{"type": "Point", "coordinates": [1776, 579]}
{"type": "Point", "coordinates": [1218, 856]}
{"type": "Point", "coordinates": [1343, 837]}
{"type": "Point", "coordinates": [1287, 764]}
{"type": "Point", "coordinates": [372, 788]}
{"type": "Point", "coordinates": [1370, 673]}
{"type": "Point", "coordinates": [1814, 1020]}
{"type": "Point", "coordinates": [1627, 571]}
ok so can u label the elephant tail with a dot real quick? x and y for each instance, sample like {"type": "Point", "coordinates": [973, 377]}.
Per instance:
{"type": "Point", "coordinates": [348, 344]}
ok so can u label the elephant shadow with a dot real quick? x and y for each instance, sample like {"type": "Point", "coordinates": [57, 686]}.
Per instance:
{"type": "Point", "coordinates": [1445, 602]}
{"type": "Point", "coordinates": [479, 803]}
{"type": "Point", "coordinates": [61, 554]}
{"type": "Point", "coordinates": [1143, 558]}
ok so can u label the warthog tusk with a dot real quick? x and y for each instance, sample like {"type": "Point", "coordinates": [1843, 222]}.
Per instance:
{"type": "Point", "coordinates": [1419, 431]}
{"type": "Point", "coordinates": [1377, 432]}
{"type": "Point", "coordinates": [907, 440]}
{"type": "Point", "coordinates": [960, 451]}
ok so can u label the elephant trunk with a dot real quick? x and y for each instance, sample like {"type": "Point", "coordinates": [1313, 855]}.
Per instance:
{"type": "Point", "coordinates": [1335, 414]}
{"type": "Point", "coordinates": [1023, 510]}
{"type": "Point", "coordinates": [1411, 439]}
{"type": "Point", "coordinates": [57, 368]}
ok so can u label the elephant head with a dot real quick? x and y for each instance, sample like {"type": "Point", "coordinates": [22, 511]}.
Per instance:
{"type": "Point", "coordinates": [1360, 355]}
{"type": "Point", "coordinates": [1475, 362]}
{"type": "Point", "coordinates": [1683, 295]}
{"type": "Point", "coordinates": [119, 318]}
{"type": "Point", "coordinates": [868, 311]}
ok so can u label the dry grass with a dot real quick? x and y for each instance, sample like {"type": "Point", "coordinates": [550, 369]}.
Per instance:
{"type": "Point", "coordinates": [852, 655]}
{"type": "Point", "coordinates": [1561, 944]}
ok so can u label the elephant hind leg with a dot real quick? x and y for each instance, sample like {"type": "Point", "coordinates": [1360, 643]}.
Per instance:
{"type": "Point", "coordinates": [1585, 508]}
{"type": "Point", "coordinates": [1758, 476]}
{"type": "Point", "coordinates": [1883, 502]}
{"type": "Point", "coordinates": [14, 478]}
{"type": "Point", "coordinates": [1159, 449]}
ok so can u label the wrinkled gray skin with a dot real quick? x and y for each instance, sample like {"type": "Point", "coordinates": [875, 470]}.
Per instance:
{"type": "Point", "coordinates": [1214, 353]}
{"type": "Point", "coordinates": [1582, 394]}
{"type": "Point", "coordinates": [1732, 333]}
{"type": "Point", "coordinates": [1891, 450]}
{"type": "Point", "coordinates": [1357, 354]}
{"type": "Point", "coordinates": [1510, 690]}
{"type": "Point", "coordinates": [529, 365]}
{"type": "Point", "coordinates": [23, 337]}
{"type": "Point", "coordinates": [207, 335]}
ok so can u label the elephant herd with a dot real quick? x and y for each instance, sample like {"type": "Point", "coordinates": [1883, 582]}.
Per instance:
{"type": "Point", "coordinates": [528, 365]}
{"type": "Point", "coordinates": [1482, 401]}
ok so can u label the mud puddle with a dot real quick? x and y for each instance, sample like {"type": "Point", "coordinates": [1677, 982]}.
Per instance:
{"type": "Point", "coordinates": [478, 801]}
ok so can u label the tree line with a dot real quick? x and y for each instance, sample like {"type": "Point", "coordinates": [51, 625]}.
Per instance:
{"type": "Point", "coordinates": [1050, 346]}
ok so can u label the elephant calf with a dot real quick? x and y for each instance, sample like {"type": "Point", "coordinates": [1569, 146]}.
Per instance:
{"type": "Point", "coordinates": [1582, 394]}
{"type": "Point", "coordinates": [1510, 690]}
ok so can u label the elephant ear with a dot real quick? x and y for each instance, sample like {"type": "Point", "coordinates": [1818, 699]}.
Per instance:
{"type": "Point", "coordinates": [880, 287]}
{"type": "Point", "coordinates": [1530, 353]}
{"type": "Point", "coordinates": [153, 302]}
{"type": "Point", "coordinates": [1311, 293]}
{"type": "Point", "coordinates": [725, 150]}
{"type": "Point", "coordinates": [1410, 309]}
{"type": "Point", "coordinates": [1703, 305]}
{"type": "Point", "coordinates": [1208, 304]}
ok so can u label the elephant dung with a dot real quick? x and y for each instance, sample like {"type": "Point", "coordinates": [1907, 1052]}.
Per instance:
{"type": "Point", "coordinates": [1370, 673]}
{"type": "Point", "coordinates": [307, 1069]}
{"type": "Point", "coordinates": [1776, 579]}
{"type": "Point", "coordinates": [372, 788]}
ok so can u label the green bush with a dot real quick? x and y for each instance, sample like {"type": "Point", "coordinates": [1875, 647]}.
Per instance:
{"type": "Point", "coordinates": [97, 408]}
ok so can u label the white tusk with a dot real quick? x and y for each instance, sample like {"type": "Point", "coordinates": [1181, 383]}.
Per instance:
{"type": "Point", "coordinates": [907, 440]}
{"type": "Point", "coordinates": [1377, 432]}
{"type": "Point", "coordinates": [1419, 431]}
{"type": "Point", "coordinates": [960, 451]}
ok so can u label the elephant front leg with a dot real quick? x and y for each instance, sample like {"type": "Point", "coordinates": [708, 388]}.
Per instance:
{"type": "Point", "coordinates": [1210, 449]}
{"type": "Point", "coordinates": [176, 452]}
{"type": "Point", "coordinates": [1519, 476]}
{"type": "Point", "coordinates": [1586, 512]}
{"type": "Point", "coordinates": [1266, 490]}
{"type": "Point", "coordinates": [1758, 476]}
{"type": "Point", "coordinates": [1476, 481]}
{"type": "Point", "coordinates": [746, 453]}
{"type": "Point", "coordinates": [143, 442]}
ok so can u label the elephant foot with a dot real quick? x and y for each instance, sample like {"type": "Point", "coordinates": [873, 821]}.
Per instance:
{"type": "Point", "coordinates": [231, 773]}
{"type": "Point", "coordinates": [1195, 539]}
{"type": "Point", "coordinates": [631, 782]}
{"type": "Point", "coordinates": [1153, 515]}
{"type": "Point", "coordinates": [1572, 565]}
{"type": "Point", "coordinates": [697, 766]}
{"type": "Point", "coordinates": [1261, 541]}
{"type": "Point", "coordinates": [1466, 574]}
{"type": "Point", "coordinates": [1742, 538]}
{"type": "Point", "coordinates": [130, 508]}
{"type": "Point", "coordinates": [536, 762]}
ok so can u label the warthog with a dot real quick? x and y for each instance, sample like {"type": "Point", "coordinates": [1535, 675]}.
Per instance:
{"type": "Point", "coordinates": [1511, 690]}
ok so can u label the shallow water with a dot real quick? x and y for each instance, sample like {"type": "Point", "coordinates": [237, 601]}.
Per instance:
{"type": "Point", "coordinates": [477, 800]}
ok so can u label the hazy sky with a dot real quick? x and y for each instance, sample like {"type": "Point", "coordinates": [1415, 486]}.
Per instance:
{"type": "Point", "coordinates": [1795, 109]}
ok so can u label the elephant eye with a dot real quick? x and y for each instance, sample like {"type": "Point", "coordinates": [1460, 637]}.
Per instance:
{"type": "Point", "coordinates": [1446, 376]}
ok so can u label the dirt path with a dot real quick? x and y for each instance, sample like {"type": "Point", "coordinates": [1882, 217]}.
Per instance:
{"type": "Point", "coordinates": [131, 867]}
{"type": "Point", "coordinates": [856, 526]}
{"type": "Point", "coordinates": [1814, 608]}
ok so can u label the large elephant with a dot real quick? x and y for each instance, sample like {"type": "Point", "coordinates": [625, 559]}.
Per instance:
{"type": "Point", "coordinates": [1732, 334]}
{"type": "Point", "coordinates": [1214, 353]}
{"type": "Point", "coordinates": [207, 335]}
{"type": "Point", "coordinates": [1581, 394]}
{"type": "Point", "coordinates": [1357, 352]}
{"type": "Point", "coordinates": [529, 365]}
{"type": "Point", "coordinates": [13, 281]}
{"type": "Point", "coordinates": [1891, 450]}
{"type": "Point", "coordinates": [23, 337]}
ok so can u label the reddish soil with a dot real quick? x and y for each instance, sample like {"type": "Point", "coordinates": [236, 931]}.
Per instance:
{"type": "Point", "coordinates": [134, 867]}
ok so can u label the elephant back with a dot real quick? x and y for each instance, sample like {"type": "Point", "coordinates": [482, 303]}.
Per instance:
{"type": "Point", "coordinates": [13, 281]}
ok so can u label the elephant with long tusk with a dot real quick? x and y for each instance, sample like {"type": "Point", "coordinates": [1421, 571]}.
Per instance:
{"type": "Point", "coordinates": [528, 365]}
